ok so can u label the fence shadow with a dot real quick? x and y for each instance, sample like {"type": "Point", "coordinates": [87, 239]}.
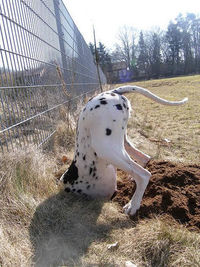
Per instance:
{"type": "Point", "coordinates": [62, 229]}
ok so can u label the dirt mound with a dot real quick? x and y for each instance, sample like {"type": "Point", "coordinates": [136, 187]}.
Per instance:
{"type": "Point", "coordinates": [173, 189]}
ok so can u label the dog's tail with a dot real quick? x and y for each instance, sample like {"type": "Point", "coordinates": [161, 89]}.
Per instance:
{"type": "Point", "coordinates": [135, 89]}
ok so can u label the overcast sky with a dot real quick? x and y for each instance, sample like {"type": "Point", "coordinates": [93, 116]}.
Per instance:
{"type": "Point", "coordinates": [108, 16]}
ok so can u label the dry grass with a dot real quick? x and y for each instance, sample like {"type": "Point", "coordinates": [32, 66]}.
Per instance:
{"type": "Point", "coordinates": [151, 123]}
{"type": "Point", "coordinates": [149, 243]}
{"type": "Point", "coordinates": [26, 178]}
{"type": "Point", "coordinates": [42, 226]}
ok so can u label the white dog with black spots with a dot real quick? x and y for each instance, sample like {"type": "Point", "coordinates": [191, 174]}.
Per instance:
{"type": "Point", "coordinates": [102, 146]}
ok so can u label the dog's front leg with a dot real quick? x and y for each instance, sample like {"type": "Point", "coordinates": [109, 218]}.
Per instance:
{"type": "Point", "coordinates": [142, 180]}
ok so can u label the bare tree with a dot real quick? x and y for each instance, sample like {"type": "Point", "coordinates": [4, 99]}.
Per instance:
{"type": "Point", "coordinates": [156, 53]}
{"type": "Point", "coordinates": [125, 50]}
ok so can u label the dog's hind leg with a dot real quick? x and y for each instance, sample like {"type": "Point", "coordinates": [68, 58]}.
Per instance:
{"type": "Point", "coordinates": [140, 157]}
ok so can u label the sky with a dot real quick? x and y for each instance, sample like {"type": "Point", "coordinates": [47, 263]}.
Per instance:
{"type": "Point", "coordinates": [108, 16]}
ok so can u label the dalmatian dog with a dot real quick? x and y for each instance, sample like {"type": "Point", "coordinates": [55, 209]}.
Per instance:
{"type": "Point", "coordinates": [102, 146]}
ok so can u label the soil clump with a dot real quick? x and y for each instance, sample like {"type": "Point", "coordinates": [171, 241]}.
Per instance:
{"type": "Point", "coordinates": [174, 189]}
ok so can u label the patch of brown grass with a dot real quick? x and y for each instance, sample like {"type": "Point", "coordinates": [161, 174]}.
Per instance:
{"type": "Point", "coordinates": [151, 242]}
{"type": "Point", "coordinates": [26, 177]}
{"type": "Point", "coordinates": [157, 243]}
{"type": "Point", "coordinates": [151, 124]}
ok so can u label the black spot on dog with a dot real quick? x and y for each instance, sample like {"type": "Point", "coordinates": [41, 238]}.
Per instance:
{"type": "Point", "coordinates": [114, 120]}
{"type": "Point", "coordinates": [123, 98]}
{"type": "Point", "coordinates": [79, 191]}
{"type": "Point", "coordinates": [122, 128]}
{"type": "Point", "coordinates": [71, 175]}
{"type": "Point", "coordinates": [78, 154]}
{"type": "Point", "coordinates": [103, 98]}
{"type": "Point", "coordinates": [91, 109]}
{"type": "Point", "coordinates": [67, 189]}
{"type": "Point", "coordinates": [103, 102]}
{"type": "Point", "coordinates": [73, 190]}
{"type": "Point", "coordinates": [97, 106]}
{"type": "Point", "coordinates": [124, 105]}
{"type": "Point", "coordinates": [95, 154]}
{"type": "Point", "coordinates": [108, 131]}
{"type": "Point", "coordinates": [81, 182]}
{"type": "Point", "coordinates": [83, 118]}
{"type": "Point", "coordinates": [84, 157]}
{"type": "Point", "coordinates": [91, 169]}
{"type": "Point", "coordinates": [119, 106]}
{"type": "Point", "coordinates": [84, 109]}
{"type": "Point", "coordinates": [88, 186]}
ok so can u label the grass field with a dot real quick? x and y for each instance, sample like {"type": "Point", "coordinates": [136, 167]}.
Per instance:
{"type": "Point", "coordinates": [153, 123]}
{"type": "Point", "coordinates": [42, 226]}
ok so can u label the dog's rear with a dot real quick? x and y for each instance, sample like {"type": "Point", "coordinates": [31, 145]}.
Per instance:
{"type": "Point", "coordinates": [102, 146]}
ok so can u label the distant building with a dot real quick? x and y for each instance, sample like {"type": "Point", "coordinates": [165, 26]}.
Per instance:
{"type": "Point", "coordinates": [119, 73]}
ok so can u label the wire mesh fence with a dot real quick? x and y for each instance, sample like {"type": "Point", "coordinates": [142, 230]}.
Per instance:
{"type": "Point", "coordinates": [42, 56]}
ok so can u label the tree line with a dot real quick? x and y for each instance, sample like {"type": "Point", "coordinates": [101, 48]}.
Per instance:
{"type": "Point", "coordinates": [156, 53]}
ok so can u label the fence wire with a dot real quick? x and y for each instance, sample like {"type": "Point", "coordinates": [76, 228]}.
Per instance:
{"type": "Point", "coordinates": [42, 55]}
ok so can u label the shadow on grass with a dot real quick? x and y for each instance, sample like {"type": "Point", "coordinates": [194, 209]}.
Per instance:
{"type": "Point", "coordinates": [64, 226]}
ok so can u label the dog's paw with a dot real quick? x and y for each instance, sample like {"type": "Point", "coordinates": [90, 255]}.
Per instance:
{"type": "Point", "coordinates": [130, 209]}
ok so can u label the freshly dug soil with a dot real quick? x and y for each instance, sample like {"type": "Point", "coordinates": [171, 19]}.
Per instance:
{"type": "Point", "coordinates": [174, 189]}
